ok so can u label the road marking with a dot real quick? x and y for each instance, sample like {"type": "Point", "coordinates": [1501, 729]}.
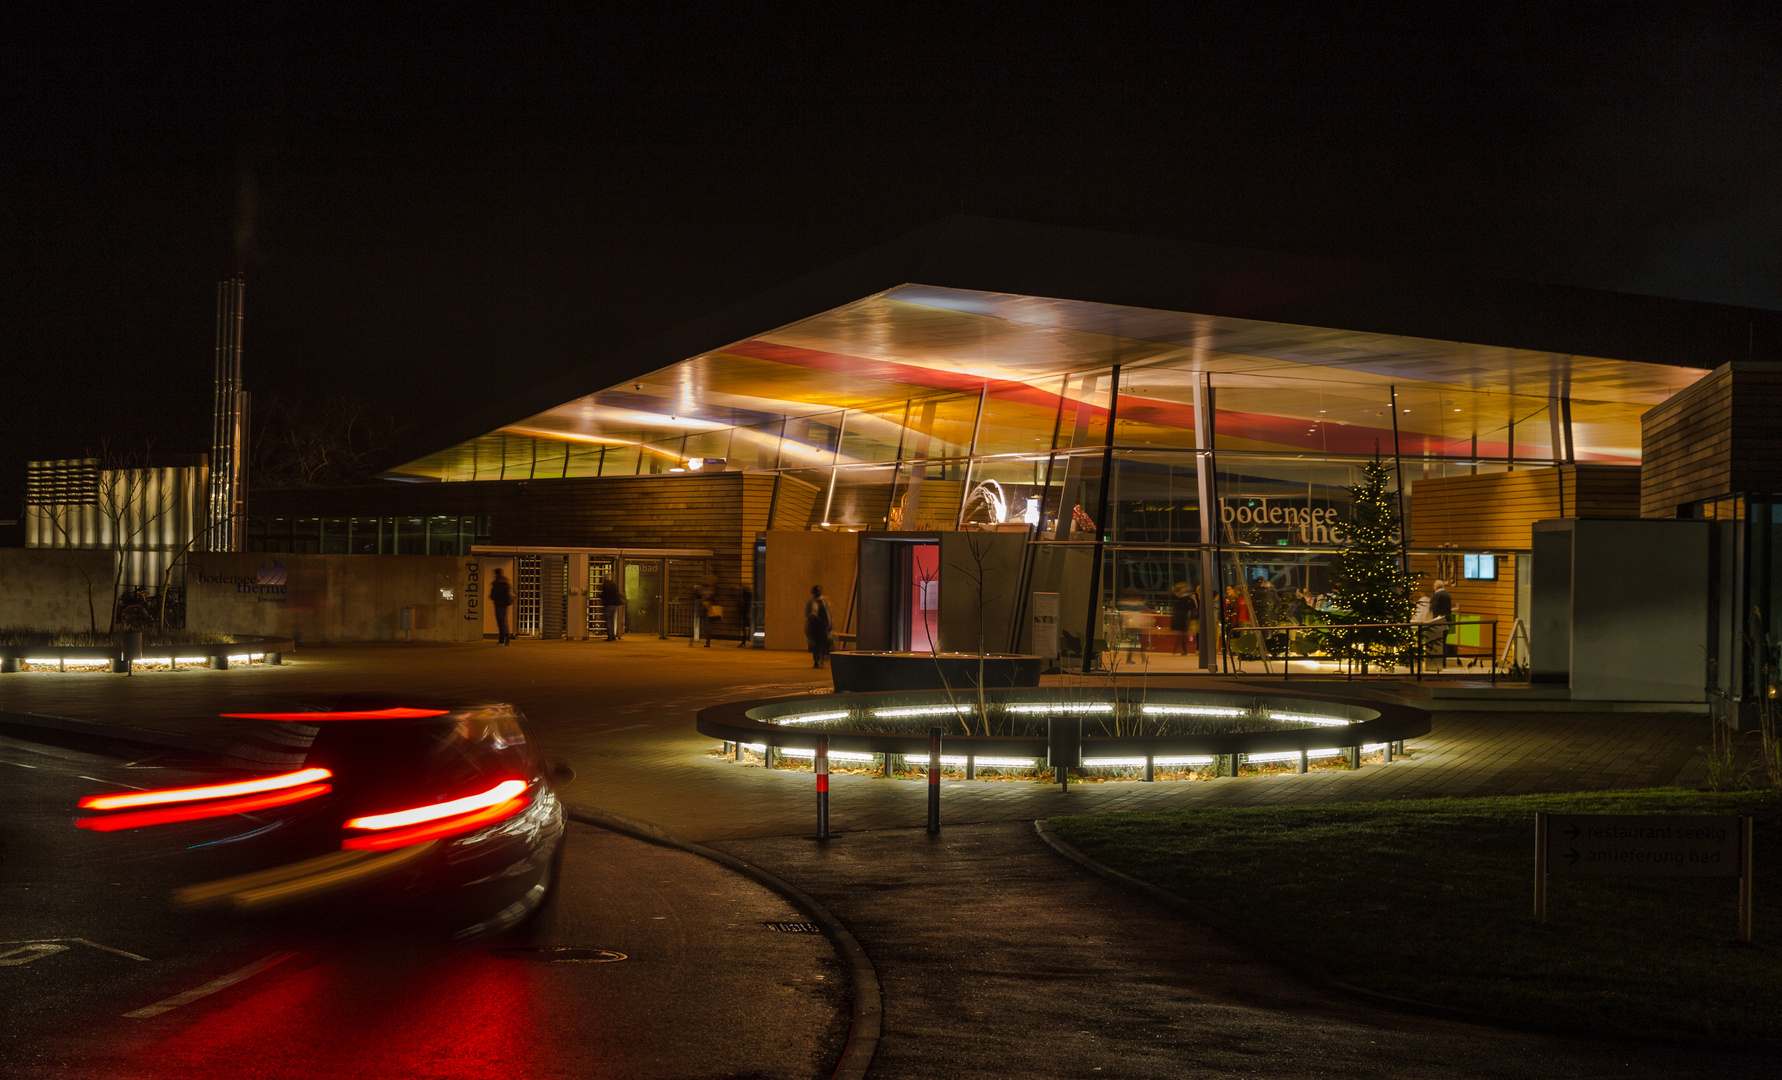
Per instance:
{"type": "Point", "coordinates": [114, 783]}
{"type": "Point", "coordinates": [20, 764]}
{"type": "Point", "coordinates": [222, 982]}
{"type": "Point", "coordinates": [78, 941]}
{"type": "Point", "coordinates": [24, 954]}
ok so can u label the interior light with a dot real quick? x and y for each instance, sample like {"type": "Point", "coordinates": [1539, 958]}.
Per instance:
{"type": "Point", "coordinates": [136, 819]}
{"type": "Point", "coordinates": [676, 468]}
{"type": "Point", "coordinates": [209, 791]}
{"type": "Point", "coordinates": [695, 464]}
{"type": "Point", "coordinates": [358, 714]}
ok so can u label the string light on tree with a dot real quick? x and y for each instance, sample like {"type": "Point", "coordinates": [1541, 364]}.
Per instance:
{"type": "Point", "coordinates": [1368, 581]}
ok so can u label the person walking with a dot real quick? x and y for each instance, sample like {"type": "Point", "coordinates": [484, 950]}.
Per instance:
{"type": "Point", "coordinates": [747, 615]}
{"type": "Point", "coordinates": [1441, 610]}
{"type": "Point", "coordinates": [614, 602]}
{"type": "Point", "coordinates": [819, 628]}
{"type": "Point", "coordinates": [501, 595]}
{"type": "Point", "coordinates": [1182, 615]}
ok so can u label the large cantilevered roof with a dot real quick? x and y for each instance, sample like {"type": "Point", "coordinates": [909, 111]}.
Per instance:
{"type": "Point", "coordinates": [899, 373]}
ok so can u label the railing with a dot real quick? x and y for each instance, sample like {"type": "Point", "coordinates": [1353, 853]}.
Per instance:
{"type": "Point", "coordinates": [1416, 651]}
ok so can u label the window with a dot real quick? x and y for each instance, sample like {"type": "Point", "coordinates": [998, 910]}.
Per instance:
{"type": "Point", "coordinates": [1480, 568]}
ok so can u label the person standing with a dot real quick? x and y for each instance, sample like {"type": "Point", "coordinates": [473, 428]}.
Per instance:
{"type": "Point", "coordinates": [819, 628]}
{"type": "Point", "coordinates": [1441, 610]}
{"type": "Point", "coordinates": [501, 595]}
{"type": "Point", "coordinates": [1181, 615]}
{"type": "Point", "coordinates": [747, 615]}
{"type": "Point", "coordinates": [614, 602]}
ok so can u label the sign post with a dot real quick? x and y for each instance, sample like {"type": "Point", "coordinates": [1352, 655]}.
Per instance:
{"type": "Point", "coordinates": [1620, 845]}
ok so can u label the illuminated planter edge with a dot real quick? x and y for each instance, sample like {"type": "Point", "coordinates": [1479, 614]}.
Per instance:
{"type": "Point", "coordinates": [1372, 723]}
{"type": "Point", "coordinates": [11, 656]}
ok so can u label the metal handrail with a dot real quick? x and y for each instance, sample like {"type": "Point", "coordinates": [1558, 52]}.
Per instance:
{"type": "Point", "coordinates": [1287, 657]}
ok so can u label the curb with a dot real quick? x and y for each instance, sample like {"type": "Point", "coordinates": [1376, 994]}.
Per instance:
{"type": "Point", "coordinates": [112, 733]}
{"type": "Point", "coordinates": [1319, 977]}
{"type": "Point", "coordinates": [868, 1013]}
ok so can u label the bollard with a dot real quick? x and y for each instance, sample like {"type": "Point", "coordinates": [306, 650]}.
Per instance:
{"type": "Point", "coordinates": [1354, 757]}
{"type": "Point", "coordinates": [971, 766]}
{"type": "Point", "coordinates": [739, 749]}
{"type": "Point", "coordinates": [219, 662]}
{"type": "Point", "coordinates": [1064, 746]}
{"type": "Point", "coordinates": [1303, 763]}
{"type": "Point", "coordinates": [1150, 768]}
{"type": "Point", "coordinates": [1387, 756]}
{"type": "Point", "coordinates": [821, 764]}
{"type": "Point", "coordinates": [768, 757]}
{"type": "Point", "coordinates": [889, 768]}
{"type": "Point", "coordinates": [934, 779]}
{"type": "Point", "coordinates": [9, 663]}
{"type": "Point", "coordinates": [276, 659]}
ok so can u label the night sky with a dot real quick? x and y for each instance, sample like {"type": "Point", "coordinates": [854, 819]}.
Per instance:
{"type": "Point", "coordinates": [436, 208]}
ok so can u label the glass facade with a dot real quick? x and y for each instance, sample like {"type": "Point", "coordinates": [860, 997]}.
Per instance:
{"type": "Point", "coordinates": [1148, 455]}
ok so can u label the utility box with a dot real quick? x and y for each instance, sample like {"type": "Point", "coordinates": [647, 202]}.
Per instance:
{"type": "Point", "coordinates": [1619, 608]}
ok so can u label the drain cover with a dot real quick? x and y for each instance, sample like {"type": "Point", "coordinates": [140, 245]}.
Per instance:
{"type": "Point", "coordinates": [795, 927]}
{"type": "Point", "coordinates": [559, 954]}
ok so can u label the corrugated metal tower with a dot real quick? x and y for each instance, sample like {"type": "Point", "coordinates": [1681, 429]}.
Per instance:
{"type": "Point", "coordinates": [229, 426]}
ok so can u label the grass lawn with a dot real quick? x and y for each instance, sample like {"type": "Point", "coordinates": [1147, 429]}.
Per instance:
{"type": "Point", "coordinates": [1433, 900]}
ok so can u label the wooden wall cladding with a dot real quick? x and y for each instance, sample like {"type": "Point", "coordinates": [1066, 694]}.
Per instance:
{"type": "Point", "coordinates": [1686, 446]}
{"type": "Point", "coordinates": [1494, 511]}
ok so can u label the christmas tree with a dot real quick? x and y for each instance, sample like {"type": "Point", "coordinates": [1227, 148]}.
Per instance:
{"type": "Point", "coordinates": [1368, 581]}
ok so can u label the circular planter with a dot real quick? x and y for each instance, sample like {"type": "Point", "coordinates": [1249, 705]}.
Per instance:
{"type": "Point", "coordinates": [1126, 723]}
{"type": "Point", "coordinates": [885, 672]}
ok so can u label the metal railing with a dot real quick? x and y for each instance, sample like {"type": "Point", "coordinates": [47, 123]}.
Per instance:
{"type": "Point", "coordinates": [1415, 651]}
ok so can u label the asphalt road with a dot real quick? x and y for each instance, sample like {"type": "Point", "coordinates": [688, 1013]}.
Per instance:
{"type": "Point", "coordinates": [677, 972]}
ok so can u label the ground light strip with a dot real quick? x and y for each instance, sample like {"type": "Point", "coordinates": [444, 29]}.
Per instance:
{"type": "Point", "coordinates": [924, 710]}
{"type": "Point", "coordinates": [811, 718]}
{"type": "Point", "coordinates": [1190, 710]}
{"type": "Point", "coordinates": [1101, 707]}
{"type": "Point", "coordinates": [1302, 718]}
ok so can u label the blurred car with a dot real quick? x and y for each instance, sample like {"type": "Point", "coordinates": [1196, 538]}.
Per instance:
{"type": "Point", "coordinates": [444, 818]}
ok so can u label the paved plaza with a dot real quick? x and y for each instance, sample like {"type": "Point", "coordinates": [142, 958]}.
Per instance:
{"type": "Point", "coordinates": [622, 715]}
{"type": "Point", "coordinates": [996, 957]}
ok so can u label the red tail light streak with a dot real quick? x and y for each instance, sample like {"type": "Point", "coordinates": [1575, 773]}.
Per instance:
{"type": "Point", "coordinates": [194, 812]}
{"type": "Point", "coordinates": [403, 827]}
{"type": "Point", "coordinates": [132, 800]}
{"type": "Point", "coordinates": [314, 717]}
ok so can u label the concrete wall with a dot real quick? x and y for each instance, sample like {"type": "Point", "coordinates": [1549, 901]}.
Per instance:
{"type": "Point", "coordinates": [43, 588]}
{"type": "Point", "coordinates": [1628, 618]}
{"type": "Point", "coordinates": [963, 557]}
{"type": "Point", "coordinates": [795, 562]}
{"type": "Point", "coordinates": [335, 597]}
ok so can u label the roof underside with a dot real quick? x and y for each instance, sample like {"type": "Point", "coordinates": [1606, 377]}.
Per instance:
{"type": "Point", "coordinates": [908, 365]}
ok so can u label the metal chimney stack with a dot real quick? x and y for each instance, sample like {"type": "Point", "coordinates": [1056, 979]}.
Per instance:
{"type": "Point", "coordinates": [229, 426]}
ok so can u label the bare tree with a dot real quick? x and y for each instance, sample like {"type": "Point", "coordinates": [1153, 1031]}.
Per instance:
{"type": "Point", "coordinates": [298, 445]}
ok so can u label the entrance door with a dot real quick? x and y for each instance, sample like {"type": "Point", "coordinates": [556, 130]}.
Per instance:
{"type": "Point", "coordinates": [599, 570]}
{"type": "Point", "coordinates": [643, 596]}
{"type": "Point", "coordinates": [915, 589]}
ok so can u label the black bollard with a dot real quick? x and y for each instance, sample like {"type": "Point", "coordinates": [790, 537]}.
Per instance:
{"type": "Point", "coordinates": [821, 764]}
{"type": "Point", "coordinates": [934, 766]}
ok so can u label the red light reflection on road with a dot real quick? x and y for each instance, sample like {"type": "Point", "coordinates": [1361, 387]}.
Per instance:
{"type": "Point", "coordinates": [372, 1012]}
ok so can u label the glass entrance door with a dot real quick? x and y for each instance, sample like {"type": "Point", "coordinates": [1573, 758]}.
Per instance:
{"type": "Point", "coordinates": [643, 596]}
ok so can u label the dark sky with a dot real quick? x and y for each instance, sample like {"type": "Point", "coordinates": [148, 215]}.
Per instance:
{"type": "Point", "coordinates": [432, 205]}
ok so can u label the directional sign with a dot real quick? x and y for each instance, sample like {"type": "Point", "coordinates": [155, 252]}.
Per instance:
{"type": "Point", "coordinates": [1615, 845]}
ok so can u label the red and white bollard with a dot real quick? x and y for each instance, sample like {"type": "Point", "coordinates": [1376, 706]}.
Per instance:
{"type": "Point", "coordinates": [822, 767]}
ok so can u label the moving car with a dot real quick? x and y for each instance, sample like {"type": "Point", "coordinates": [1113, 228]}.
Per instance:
{"type": "Point", "coordinates": [439, 817]}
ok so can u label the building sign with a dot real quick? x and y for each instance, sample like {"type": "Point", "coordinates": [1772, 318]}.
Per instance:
{"type": "Point", "coordinates": [1613, 845]}
{"type": "Point", "coordinates": [473, 589]}
{"type": "Point", "coordinates": [269, 585]}
{"type": "Point", "coordinates": [1310, 524]}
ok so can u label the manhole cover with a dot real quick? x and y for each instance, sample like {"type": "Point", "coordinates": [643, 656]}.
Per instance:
{"type": "Point", "coordinates": [795, 927]}
{"type": "Point", "coordinates": [559, 954]}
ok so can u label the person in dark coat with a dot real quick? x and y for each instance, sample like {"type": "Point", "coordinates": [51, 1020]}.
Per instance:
{"type": "Point", "coordinates": [501, 595]}
{"type": "Point", "coordinates": [614, 602]}
{"type": "Point", "coordinates": [818, 626]}
{"type": "Point", "coordinates": [1182, 615]}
